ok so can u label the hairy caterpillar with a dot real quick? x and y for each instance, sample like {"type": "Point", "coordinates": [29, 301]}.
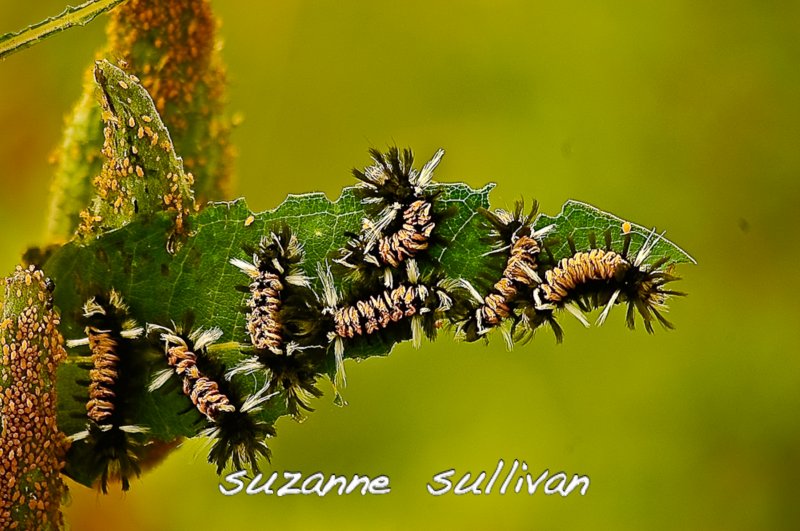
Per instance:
{"type": "Point", "coordinates": [115, 370]}
{"type": "Point", "coordinates": [400, 201]}
{"type": "Point", "coordinates": [603, 278]}
{"type": "Point", "coordinates": [512, 234]}
{"type": "Point", "coordinates": [281, 321]}
{"type": "Point", "coordinates": [239, 437]}
{"type": "Point", "coordinates": [416, 302]}
{"type": "Point", "coordinates": [275, 268]}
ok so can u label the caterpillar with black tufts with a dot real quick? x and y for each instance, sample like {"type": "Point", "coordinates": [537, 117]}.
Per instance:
{"type": "Point", "coordinates": [414, 306]}
{"type": "Point", "coordinates": [115, 368]}
{"type": "Point", "coordinates": [602, 278]}
{"type": "Point", "coordinates": [401, 203]}
{"type": "Point", "coordinates": [511, 235]}
{"type": "Point", "coordinates": [239, 437]}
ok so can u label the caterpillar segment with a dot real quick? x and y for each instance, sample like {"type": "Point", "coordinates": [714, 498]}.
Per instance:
{"type": "Point", "coordinates": [402, 217]}
{"type": "Point", "coordinates": [416, 304]}
{"type": "Point", "coordinates": [275, 269]}
{"type": "Point", "coordinates": [115, 368]}
{"type": "Point", "coordinates": [237, 436]}
{"type": "Point", "coordinates": [513, 237]}
{"type": "Point", "coordinates": [603, 278]}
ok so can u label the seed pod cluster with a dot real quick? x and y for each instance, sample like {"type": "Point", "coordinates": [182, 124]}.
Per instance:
{"type": "Point", "coordinates": [32, 449]}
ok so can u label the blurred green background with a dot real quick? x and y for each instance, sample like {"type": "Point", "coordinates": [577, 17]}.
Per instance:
{"type": "Point", "coordinates": [681, 115]}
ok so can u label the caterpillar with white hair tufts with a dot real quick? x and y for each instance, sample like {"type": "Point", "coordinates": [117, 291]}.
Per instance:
{"type": "Point", "coordinates": [400, 202]}
{"type": "Point", "coordinates": [239, 437]}
{"type": "Point", "coordinates": [115, 368]}
{"type": "Point", "coordinates": [602, 278]}
{"type": "Point", "coordinates": [412, 308]}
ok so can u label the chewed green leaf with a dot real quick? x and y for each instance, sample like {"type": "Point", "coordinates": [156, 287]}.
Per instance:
{"type": "Point", "coordinates": [463, 256]}
{"type": "Point", "coordinates": [199, 279]}
{"type": "Point", "coordinates": [196, 284]}
{"type": "Point", "coordinates": [582, 222]}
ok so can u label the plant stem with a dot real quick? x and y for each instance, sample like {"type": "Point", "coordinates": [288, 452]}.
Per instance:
{"type": "Point", "coordinates": [71, 16]}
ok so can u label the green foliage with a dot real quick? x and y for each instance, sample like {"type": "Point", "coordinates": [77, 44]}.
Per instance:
{"type": "Point", "coordinates": [198, 283]}
{"type": "Point", "coordinates": [142, 237]}
{"type": "Point", "coordinates": [79, 161]}
{"type": "Point", "coordinates": [582, 222]}
{"type": "Point", "coordinates": [141, 174]}
{"type": "Point", "coordinates": [172, 48]}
